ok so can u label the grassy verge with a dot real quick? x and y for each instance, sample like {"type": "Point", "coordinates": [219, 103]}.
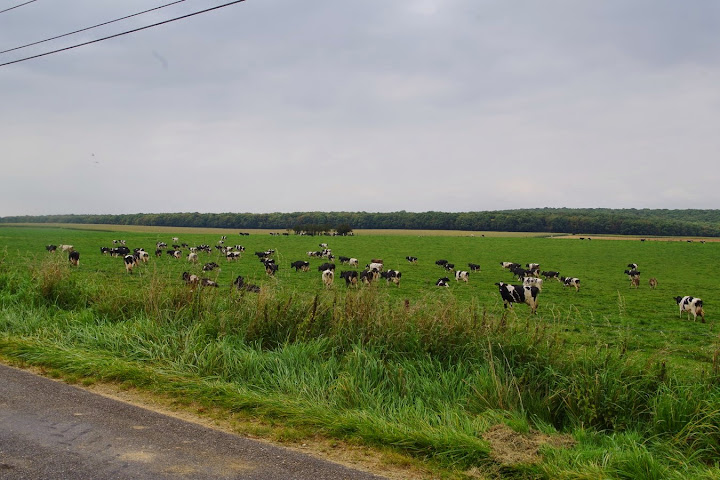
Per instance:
{"type": "Point", "coordinates": [432, 380]}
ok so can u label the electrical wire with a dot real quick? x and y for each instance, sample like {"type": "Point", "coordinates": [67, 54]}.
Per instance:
{"type": "Point", "coordinates": [122, 33]}
{"type": "Point", "coordinates": [17, 6]}
{"type": "Point", "coordinates": [90, 28]}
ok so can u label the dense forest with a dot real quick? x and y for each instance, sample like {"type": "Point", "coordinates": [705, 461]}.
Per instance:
{"type": "Point", "coordinates": [649, 222]}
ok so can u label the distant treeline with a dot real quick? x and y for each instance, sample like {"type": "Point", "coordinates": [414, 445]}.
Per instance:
{"type": "Point", "coordinates": [704, 223]}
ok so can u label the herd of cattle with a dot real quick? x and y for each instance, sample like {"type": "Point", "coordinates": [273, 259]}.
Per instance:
{"type": "Point", "coordinates": [530, 276]}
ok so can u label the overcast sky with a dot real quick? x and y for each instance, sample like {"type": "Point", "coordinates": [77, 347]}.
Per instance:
{"type": "Point", "coordinates": [378, 106]}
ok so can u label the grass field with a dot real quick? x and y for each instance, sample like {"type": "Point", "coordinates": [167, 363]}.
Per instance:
{"type": "Point", "coordinates": [424, 369]}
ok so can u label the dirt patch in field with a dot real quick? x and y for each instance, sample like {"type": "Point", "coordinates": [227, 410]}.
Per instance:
{"type": "Point", "coordinates": [509, 447]}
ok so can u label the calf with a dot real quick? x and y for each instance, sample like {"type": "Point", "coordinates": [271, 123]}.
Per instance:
{"type": "Point", "coordinates": [519, 294]}
{"type": "Point", "coordinates": [462, 275]}
{"type": "Point", "coordinates": [328, 276]}
{"type": "Point", "coordinates": [74, 257]}
{"type": "Point", "coordinates": [691, 305]}
{"type": "Point", "coordinates": [300, 265]}
{"type": "Point", "coordinates": [571, 282]}
{"type": "Point", "coordinates": [443, 282]}
{"type": "Point", "coordinates": [350, 276]}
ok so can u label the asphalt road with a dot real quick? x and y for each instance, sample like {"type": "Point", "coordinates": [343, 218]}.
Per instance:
{"type": "Point", "coordinates": [50, 430]}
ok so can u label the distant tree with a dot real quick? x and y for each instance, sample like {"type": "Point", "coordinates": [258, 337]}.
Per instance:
{"type": "Point", "coordinates": [343, 229]}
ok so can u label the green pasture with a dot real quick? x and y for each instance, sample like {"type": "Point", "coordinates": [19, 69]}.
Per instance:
{"type": "Point", "coordinates": [423, 370]}
{"type": "Point", "coordinates": [605, 310]}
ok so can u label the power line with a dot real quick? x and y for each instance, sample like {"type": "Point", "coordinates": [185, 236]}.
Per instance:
{"type": "Point", "coordinates": [17, 6]}
{"type": "Point", "coordinates": [90, 28]}
{"type": "Point", "coordinates": [122, 33]}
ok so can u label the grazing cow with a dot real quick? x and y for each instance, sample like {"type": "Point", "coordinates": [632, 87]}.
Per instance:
{"type": "Point", "coordinates": [51, 248]}
{"type": "Point", "coordinates": [443, 282]}
{"type": "Point", "coordinates": [510, 265]}
{"type": "Point", "coordinates": [326, 266]}
{"type": "Point", "coordinates": [691, 305]}
{"type": "Point", "coordinates": [534, 268]}
{"type": "Point", "coordinates": [230, 256]}
{"type": "Point", "coordinates": [441, 263]}
{"type": "Point", "coordinates": [519, 294]}
{"type": "Point", "coordinates": [206, 282]}
{"type": "Point", "coordinates": [301, 265]}
{"type": "Point", "coordinates": [130, 262]}
{"type": "Point", "coordinates": [248, 287]}
{"type": "Point", "coordinates": [367, 276]}
{"type": "Point", "coordinates": [350, 276]}
{"type": "Point", "coordinates": [474, 267]}
{"type": "Point", "coordinates": [161, 245]}
{"type": "Point", "coordinates": [210, 266]}
{"type": "Point", "coordinates": [375, 266]}
{"type": "Point", "coordinates": [551, 274]}
{"type": "Point", "coordinates": [343, 260]}
{"type": "Point", "coordinates": [353, 262]}
{"type": "Point", "coordinates": [271, 268]}
{"type": "Point", "coordinates": [174, 253]}
{"type": "Point", "coordinates": [462, 275]}
{"type": "Point", "coordinates": [632, 273]}
{"type": "Point", "coordinates": [190, 279]}
{"type": "Point", "coordinates": [533, 282]}
{"type": "Point", "coordinates": [192, 257]}
{"type": "Point", "coordinates": [74, 257]}
{"type": "Point", "coordinates": [328, 276]}
{"type": "Point", "coordinates": [66, 248]}
{"type": "Point", "coordinates": [158, 252]}
{"type": "Point", "coordinates": [571, 282]}
{"type": "Point", "coordinates": [653, 282]}
{"type": "Point", "coordinates": [323, 245]}
{"type": "Point", "coordinates": [411, 259]}
{"type": "Point", "coordinates": [392, 276]}
{"type": "Point", "coordinates": [142, 256]}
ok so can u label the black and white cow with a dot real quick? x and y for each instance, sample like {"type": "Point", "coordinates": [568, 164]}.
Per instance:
{"type": "Point", "coordinates": [462, 275]}
{"type": "Point", "coordinates": [368, 276]}
{"type": "Point", "coordinates": [328, 276]}
{"type": "Point", "coordinates": [206, 282]}
{"type": "Point", "coordinates": [343, 260]}
{"type": "Point", "coordinates": [441, 263]}
{"type": "Point", "coordinates": [474, 267]}
{"type": "Point", "coordinates": [533, 282]}
{"type": "Point", "coordinates": [443, 282]}
{"type": "Point", "coordinates": [51, 248]}
{"type": "Point", "coordinates": [130, 262]}
{"type": "Point", "coordinates": [375, 266]}
{"type": "Point", "coordinates": [551, 274]}
{"type": "Point", "coordinates": [74, 257]}
{"type": "Point", "coordinates": [190, 279]}
{"type": "Point", "coordinates": [271, 268]}
{"type": "Point", "coordinates": [411, 259]}
{"type": "Point", "coordinates": [210, 266]}
{"type": "Point", "coordinates": [519, 294]}
{"type": "Point", "coordinates": [326, 266]}
{"type": "Point", "coordinates": [350, 276]}
{"type": "Point", "coordinates": [632, 266]}
{"type": "Point", "coordinates": [392, 276]}
{"type": "Point", "coordinates": [691, 305]}
{"type": "Point", "coordinates": [300, 265]}
{"type": "Point", "coordinates": [571, 282]}
{"type": "Point", "coordinates": [510, 265]}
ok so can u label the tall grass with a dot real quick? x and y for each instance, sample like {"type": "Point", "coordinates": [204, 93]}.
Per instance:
{"type": "Point", "coordinates": [421, 376]}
